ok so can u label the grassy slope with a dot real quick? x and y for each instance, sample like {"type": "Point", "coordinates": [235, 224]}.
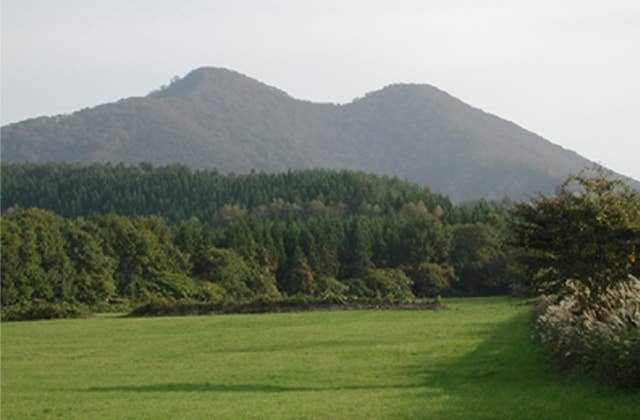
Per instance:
{"type": "Point", "coordinates": [475, 360]}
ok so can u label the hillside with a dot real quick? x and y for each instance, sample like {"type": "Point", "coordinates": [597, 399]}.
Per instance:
{"type": "Point", "coordinates": [217, 118]}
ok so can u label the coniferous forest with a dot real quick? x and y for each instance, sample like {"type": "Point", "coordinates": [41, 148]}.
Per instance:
{"type": "Point", "coordinates": [105, 235]}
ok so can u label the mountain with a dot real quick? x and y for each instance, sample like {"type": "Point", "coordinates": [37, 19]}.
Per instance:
{"type": "Point", "coordinates": [217, 118]}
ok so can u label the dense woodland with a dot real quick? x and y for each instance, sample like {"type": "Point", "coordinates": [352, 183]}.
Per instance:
{"type": "Point", "coordinates": [103, 234]}
{"type": "Point", "coordinates": [177, 193]}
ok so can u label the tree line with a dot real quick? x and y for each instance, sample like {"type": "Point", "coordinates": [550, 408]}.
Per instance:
{"type": "Point", "coordinates": [313, 233]}
{"type": "Point", "coordinates": [177, 193]}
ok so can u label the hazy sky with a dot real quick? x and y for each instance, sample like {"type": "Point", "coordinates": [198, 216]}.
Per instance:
{"type": "Point", "coordinates": [568, 70]}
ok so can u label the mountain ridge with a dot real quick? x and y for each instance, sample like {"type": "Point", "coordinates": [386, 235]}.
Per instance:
{"type": "Point", "coordinates": [219, 118]}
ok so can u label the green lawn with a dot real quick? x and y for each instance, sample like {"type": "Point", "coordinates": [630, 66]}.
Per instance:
{"type": "Point", "coordinates": [474, 360]}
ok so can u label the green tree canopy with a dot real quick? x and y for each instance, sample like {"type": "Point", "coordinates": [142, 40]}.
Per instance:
{"type": "Point", "coordinates": [589, 231]}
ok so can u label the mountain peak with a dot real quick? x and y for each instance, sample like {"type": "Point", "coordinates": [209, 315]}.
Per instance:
{"type": "Point", "coordinates": [410, 89]}
{"type": "Point", "coordinates": [209, 80]}
{"type": "Point", "coordinates": [209, 74]}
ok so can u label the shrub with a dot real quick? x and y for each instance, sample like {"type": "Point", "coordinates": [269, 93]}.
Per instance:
{"type": "Point", "coordinates": [589, 231]}
{"type": "Point", "coordinates": [44, 310]}
{"type": "Point", "coordinates": [233, 274]}
{"type": "Point", "coordinates": [431, 279]}
{"type": "Point", "coordinates": [213, 292]}
{"type": "Point", "coordinates": [358, 288]}
{"type": "Point", "coordinates": [390, 284]}
{"type": "Point", "coordinates": [262, 304]}
{"type": "Point", "coordinates": [112, 306]}
{"type": "Point", "coordinates": [165, 307]}
{"type": "Point", "coordinates": [327, 285]}
{"type": "Point", "coordinates": [596, 335]}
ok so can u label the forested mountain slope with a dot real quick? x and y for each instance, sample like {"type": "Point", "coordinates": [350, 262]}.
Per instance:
{"type": "Point", "coordinates": [217, 118]}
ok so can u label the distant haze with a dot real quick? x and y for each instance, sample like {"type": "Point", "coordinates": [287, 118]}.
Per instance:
{"type": "Point", "coordinates": [567, 70]}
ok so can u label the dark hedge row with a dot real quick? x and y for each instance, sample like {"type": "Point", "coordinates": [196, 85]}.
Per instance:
{"type": "Point", "coordinates": [165, 307]}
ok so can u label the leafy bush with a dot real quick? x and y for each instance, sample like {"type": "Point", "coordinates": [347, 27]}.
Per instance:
{"type": "Point", "coordinates": [599, 335]}
{"type": "Point", "coordinates": [43, 310]}
{"type": "Point", "coordinates": [233, 274]}
{"type": "Point", "coordinates": [589, 231]}
{"type": "Point", "coordinates": [390, 284]}
{"type": "Point", "coordinates": [213, 292]}
{"type": "Point", "coordinates": [431, 279]}
{"type": "Point", "coordinates": [358, 288]}
{"type": "Point", "coordinates": [165, 307]}
{"type": "Point", "coordinates": [330, 285]}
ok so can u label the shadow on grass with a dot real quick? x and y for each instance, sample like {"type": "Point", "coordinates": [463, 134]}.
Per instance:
{"type": "Point", "coordinates": [505, 376]}
{"type": "Point", "coordinates": [224, 388]}
{"type": "Point", "coordinates": [508, 376]}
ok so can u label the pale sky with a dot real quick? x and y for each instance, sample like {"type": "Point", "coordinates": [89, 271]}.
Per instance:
{"type": "Point", "coordinates": [568, 70]}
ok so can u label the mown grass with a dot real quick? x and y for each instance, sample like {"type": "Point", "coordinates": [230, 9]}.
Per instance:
{"type": "Point", "coordinates": [475, 360]}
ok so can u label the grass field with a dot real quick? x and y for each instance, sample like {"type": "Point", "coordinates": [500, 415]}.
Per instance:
{"type": "Point", "coordinates": [474, 360]}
